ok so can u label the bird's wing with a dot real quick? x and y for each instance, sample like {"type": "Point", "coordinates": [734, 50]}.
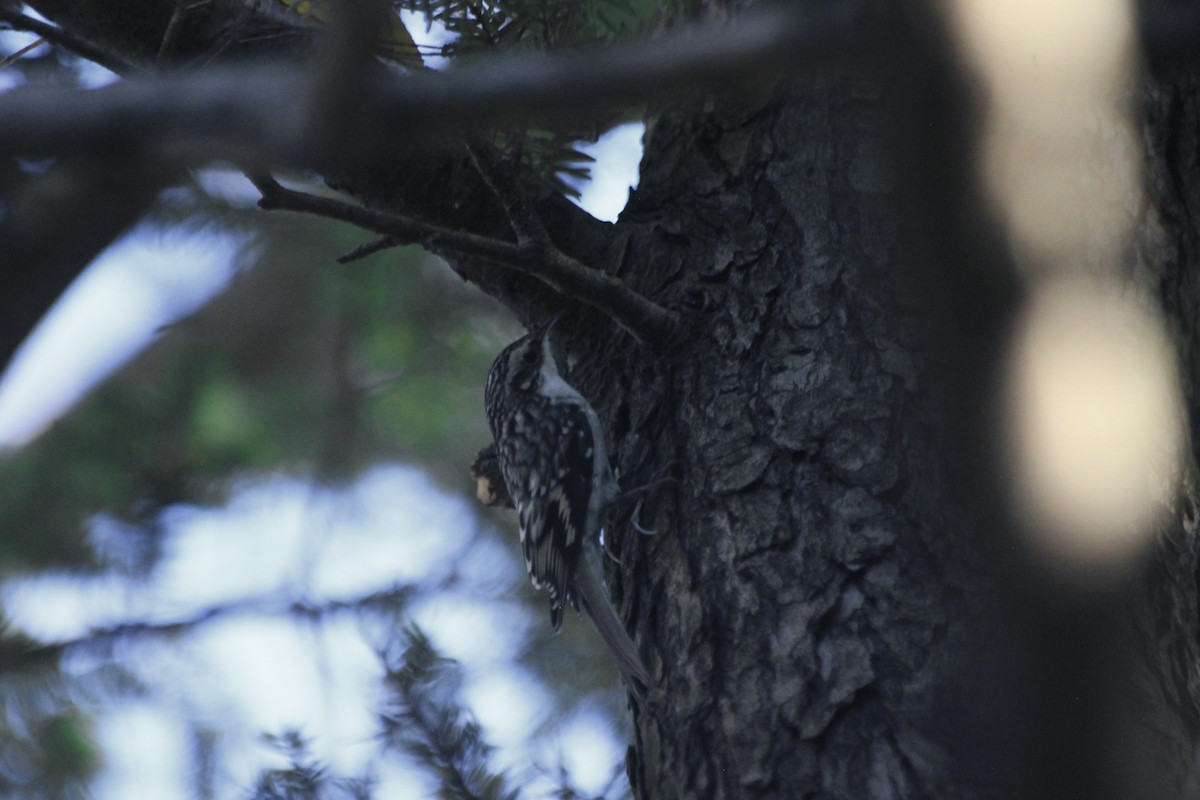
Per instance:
{"type": "Point", "coordinates": [554, 514]}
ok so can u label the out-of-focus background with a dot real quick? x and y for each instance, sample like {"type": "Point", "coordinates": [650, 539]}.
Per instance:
{"type": "Point", "coordinates": [238, 522]}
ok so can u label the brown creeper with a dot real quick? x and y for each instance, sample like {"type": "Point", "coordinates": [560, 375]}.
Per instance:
{"type": "Point", "coordinates": [552, 458]}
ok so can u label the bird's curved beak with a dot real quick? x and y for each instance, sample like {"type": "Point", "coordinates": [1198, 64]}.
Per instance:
{"type": "Point", "coordinates": [543, 329]}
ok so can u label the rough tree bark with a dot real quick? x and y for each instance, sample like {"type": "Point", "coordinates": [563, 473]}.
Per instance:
{"type": "Point", "coordinates": [811, 604]}
{"type": "Point", "coordinates": [804, 605]}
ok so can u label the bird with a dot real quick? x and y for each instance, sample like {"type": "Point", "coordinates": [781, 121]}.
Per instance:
{"type": "Point", "coordinates": [550, 448]}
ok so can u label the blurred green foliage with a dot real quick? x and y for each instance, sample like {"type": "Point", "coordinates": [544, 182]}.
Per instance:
{"type": "Point", "coordinates": [301, 365]}
{"type": "Point", "coordinates": [52, 758]}
{"type": "Point", "coordinates": [423, 716]}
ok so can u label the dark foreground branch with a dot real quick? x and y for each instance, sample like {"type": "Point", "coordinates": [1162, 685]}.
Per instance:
{"type": "Point", "coordinates": [249, 113]}
{"type": "Point", "coordinates": [647, 321]}
{"type": "Point", "coordinates": [55, 223]}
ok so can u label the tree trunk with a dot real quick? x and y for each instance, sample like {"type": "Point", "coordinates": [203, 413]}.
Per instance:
{"type": "Point", "coordinates": [802, 601]}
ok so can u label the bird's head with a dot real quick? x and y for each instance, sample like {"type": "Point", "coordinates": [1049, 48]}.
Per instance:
{"type": "Point", "coordinates": [525, 364]}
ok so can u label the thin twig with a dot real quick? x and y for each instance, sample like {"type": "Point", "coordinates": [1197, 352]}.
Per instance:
{"type": "Point", "coordinates": [36, 43]}
{"type": "Point", "coordinates": [525, 223]}
{"type": "Point", "coordinates": [172, 31]}
{"type": "Point", "coordinates": [647, 321]}
{"type": "Point", "coordinates": [368, 249]}
{"type": "Point", "coordinates": [52, 33]}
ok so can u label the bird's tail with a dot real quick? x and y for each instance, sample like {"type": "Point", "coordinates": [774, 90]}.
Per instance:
{"type": "Point", "coordinates": [592, 592]}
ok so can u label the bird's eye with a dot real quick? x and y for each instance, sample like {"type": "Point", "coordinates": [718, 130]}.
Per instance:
{"type": "Point", "coordinates": [530, 356]}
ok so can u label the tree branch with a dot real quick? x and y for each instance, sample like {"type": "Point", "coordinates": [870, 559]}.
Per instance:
{"type": "Point", "coordinates": [649, 322]}
{"type": "Point", "coordinates": [18, 652]}
{"type": "Point", "coordinates": [525, 223]}
{"type": "Point", "coordinates": [248, 113]}
{"type": "Point", "coordinates": [52, 33]}
{"type": "Point", "coordinates": [368, 249]}
{"type": "Point", "coordinates": [55, 223]}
